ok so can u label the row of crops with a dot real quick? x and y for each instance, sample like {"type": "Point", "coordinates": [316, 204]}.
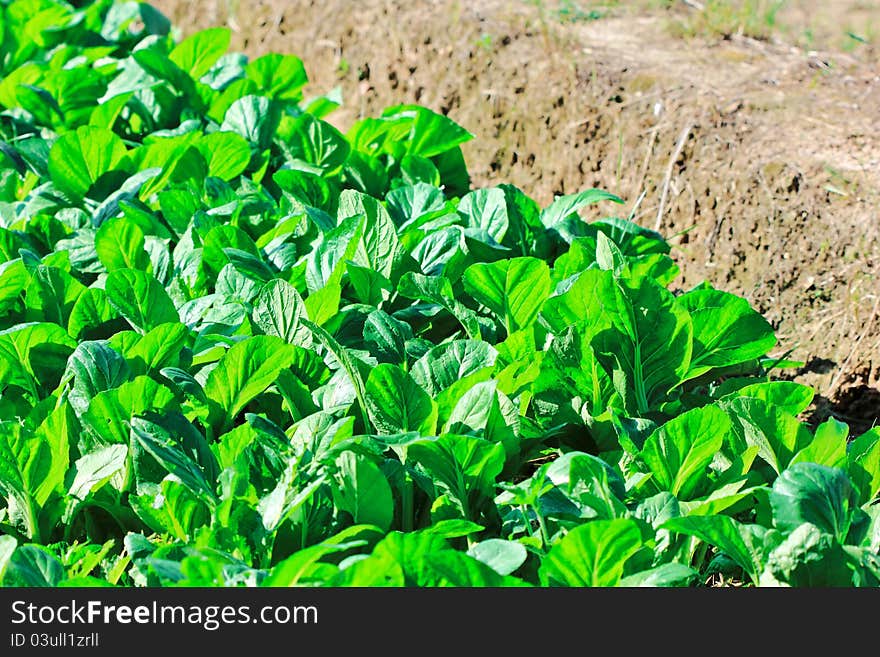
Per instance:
{"type": "Point", "coordinates": [239, 347]}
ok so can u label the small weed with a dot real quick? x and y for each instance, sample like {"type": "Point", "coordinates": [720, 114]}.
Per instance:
{"type": "Point", "coordinates": [756, 19]}
{"type": "Point", "coordinates": [570, 11]}
{"type": "Point", "coordinates": [484, 42]}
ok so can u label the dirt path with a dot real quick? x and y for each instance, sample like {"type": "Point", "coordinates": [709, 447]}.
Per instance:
{"type": "Point", "coordinates": [761, 158]}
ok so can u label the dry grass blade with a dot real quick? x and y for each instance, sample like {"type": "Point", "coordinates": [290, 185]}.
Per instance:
{"type": "Point", "coordinates": [682, 139]}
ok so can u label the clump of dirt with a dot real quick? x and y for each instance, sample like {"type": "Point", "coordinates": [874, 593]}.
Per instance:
{"type": "Point", "coordinates": [759, 159]}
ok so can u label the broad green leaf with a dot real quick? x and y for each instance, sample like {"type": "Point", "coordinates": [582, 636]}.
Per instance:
{"type": "Point", "coordinates": [438, 290]}
{"type": "Point", "coordinates": [119, 243]}
{"type": "Point", "coordinates": [320, 433]}
{"type": "Point", "coordinates": [828, 446]}
{"type": "Point", "coordinates": [515, 290]}
{"type": "Point", "coordinates": [32, 566]}
{"type": "Point", "coordinates": [363, 491]}
{"type": "Point", "coordinates": [297, 569]}
{"type": "Point", "coordinates": [246, 370]}
{"type": "Point", "coordinates": [27, 471]}
{"type": "Point", "coordinates": [322, 305]}
{"type": "Point", "coordinates": [94, 367]}
{"type": "Point", "coordinates": [778, 435]}
{"type": "Point", "coordinates": [451, 363]}
{"type": "Point", "coordinates": [289, 495]}
{"type": "Point", "coordinates": [237, 281]}
{"type": "Point", "coordinates": [168, 451]}
{"type": "Point", "coordinates": [592, 296]}
{"type": "Point", "coordinates": [742, 543]}
{"type": "Point", "coordinates": [345, 359]}
{"type": "Point", "coordinates": [234, 90]}
{"type": "Point", "coordinates": [486, 210]}
{"type": "Point", "coordinates": [59, 429]}
{"type": "Point", "coordinates": [105, 114]}
{"type": "Point", "coordinates": [140, 298]}
{"type": "Point", "coordinates": [570, 368]}
{"type": "Point", "coordinates": [397, 560]}
{"type": "Point", "coordinates": [452, 568]}
{"type": "Point", "coordinates": [233, 444]}
{"type": "Point", "coordinates": [386, 337]}
{"type": "Point", "coordinates": [173, 156]}
{"type": "Point", "coordinates": [14, 277]}
{"type": "Point", "coordinates": [809, 557]}
{"type": "Point", "coordinates": [413, 204]}
{"type": "Point", "coordinates": [590, 483]}
{"type": "Point", "coordinates": [863, 464]}
{"type": "Point", "coordinates": [430, 133]}
{"type": "Point", "coordinates": [523, 214]}
{"type": "Point", "coordinates": [159, 348]}
{"type": "Point", "coordinates": [648, 351]}
{"type": "Point", "coordinates": [397, 404]}
{"type": "Point", "coordinates": [220, 241]}
{"type": "Point", "coordinates": [794, 398]}
{"type": "Point", "coordinates": [51, 295]}
{"type": "Point", "coordinates": [816, 494]}
{"type": "Point", "coordinates": [277, 311]}
{"type": "Point", "coordinates": [565, 207]}
{"type": "Point", "coordinates": [7, 548]}
{"type": "Point", "coordinates": [656, 266]}
{"type": "Point", "coordinates": [379, 246]}
{"type": "Point", "coordinates": [409, 549]}
{"type": "Point", "coordinates": [308, 141]}
{"type": "Point", "coordinates": [326, 262]}
{"type": "Point", "coordinates": [370, 287]}
{"type": "Point", "coordinates": [728, 486]}
{"type": "Point", "coordinates": [171, 508]}
{"type": "Point", "coordinates": [453, 528]}
{"type": "Point", "coordinates": [657, 509]}
{"type": "Point", "coordinates": [463, 466]}
{"type": "Point", "coordinates": [95, 469]}
{"type": "Point", "coordinates": [186, 436]}
{"type": "Point", "coordinates": [227, 154]}
{"type": "Point", "coordinates": [679, 451]}
{"type": "Point", "coordinates": [78, 159]}
{"type": "Point", "coordinates": [252, 118]}
{"type": "Point", "coordinates": [307, 188]}
{"type": "Point", "coordinates": [277, 76]}
{"type": "Point", "coordinates": [592, 554]}
{"type": "Point", "coordinates": [33, 352]}
{"type": "Point", "coordinates": [436, 249]}
{"type": "Point", "coordinates": [502, 556]}
{"type": "Point", "coordinates": [479, 412]}
{"type": "Point", "coordinates": [110, 411]}
{"type": "Point", "coordinates": [665, 575]}
{"type": "Point", "coordinates": [197, 53]}
{"type": "Point", "coordinates": [608, 255]}
{"type": "Point", "coordinates": [726, 330]}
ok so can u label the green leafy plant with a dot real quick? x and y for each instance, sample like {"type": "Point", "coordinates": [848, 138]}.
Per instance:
{"type": "Point", "coordinates": [239, 347]}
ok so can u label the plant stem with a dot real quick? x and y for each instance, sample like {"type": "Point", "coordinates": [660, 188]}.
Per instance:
{"type": "Point", "coordinates": [700, 556]}
{"type": "Point", "coordinates": [545, 535]}
{"type": "Point", "coordinates": [33, 524]}
{"type": "Point", "coordinates": [304, 530]}
{"type": "Point", "coordinates": [408, 519]}
{"type": "Point", "coordinates": [526, 520]}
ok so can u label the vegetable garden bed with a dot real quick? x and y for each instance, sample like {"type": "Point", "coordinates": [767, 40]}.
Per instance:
{"type": "Point", "coordinates": [239, 348]}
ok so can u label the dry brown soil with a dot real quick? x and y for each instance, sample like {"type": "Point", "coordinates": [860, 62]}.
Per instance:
{"type": "Point", "coordinates": [758, 157]}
